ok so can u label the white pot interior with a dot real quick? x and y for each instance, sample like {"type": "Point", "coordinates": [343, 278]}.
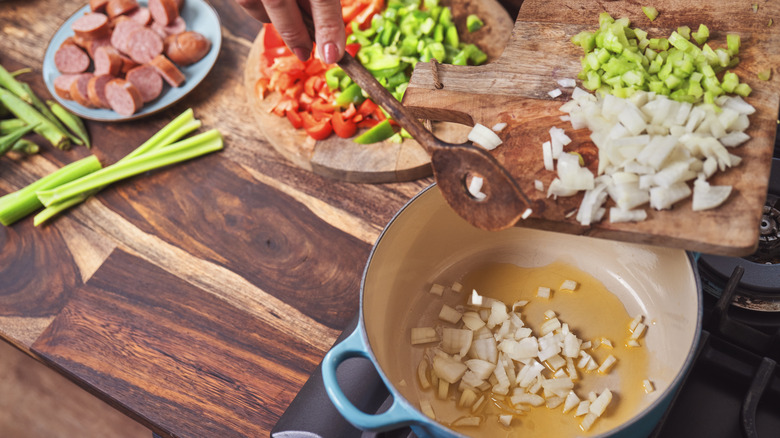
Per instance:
{"type": "Point", "coordinates": [428, 242]}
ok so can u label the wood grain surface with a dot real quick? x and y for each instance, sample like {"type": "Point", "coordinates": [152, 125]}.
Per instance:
{"type": "Point", "coordinates": [343, 159]}
{"type": "Point", "coordinates": [514, 90]}
{"type": "Point", "coordinates": [198, 298]}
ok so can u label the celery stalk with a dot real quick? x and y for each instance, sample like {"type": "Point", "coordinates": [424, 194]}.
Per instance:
{"type": "Point", "coordinates": [16, 205]}
{"type": "Point", "coordinates": [172, 132]}
{"type": "Point", "coordinates": [201, 144]}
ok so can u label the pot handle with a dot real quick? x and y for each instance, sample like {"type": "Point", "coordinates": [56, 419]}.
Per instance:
{"type": "Point", "coordinates": [398, 415]}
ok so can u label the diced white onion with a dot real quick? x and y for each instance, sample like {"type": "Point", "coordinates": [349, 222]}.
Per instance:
{"type": "Point", "coordinates": [555, 93]}
{"type": "Point", "coordinates": [498, 127]}
{"type": "Point", "coordinates": [484, 136]}
{"type": "Point", "coordinates": [449, 314]}
{"type": "Point", "coordinates": [569, 285]}
{"type": "Point", "coordinates": [567, 82]}
{"type": "Point", "coordinates": [648, 386]}
{"type": "Point", "coordinates": [424, 335]}
{"type": "Point", "coordinates": [608, 363]}
{"type": "Point", "coordinates": [436, 289]}
{"type": "Point", "coordinates": [539, 185]}
{"type": "Point", "coordinates": [543, 292]}
{"type": "Point", "coordinates": [475, 188]}
{"type": "Point", "coordinates": [600, 404]}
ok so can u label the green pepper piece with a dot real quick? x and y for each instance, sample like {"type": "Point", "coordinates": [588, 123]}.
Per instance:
{"type": "Point", "coordinates": [380, 132]}
{"type": "Point", "coordinates": [353, 94]}
{"type": "Point", "coordinates": [438, 33]}
{"type": "Point", "coordinates": [445, 19]}
{"type": "Point", "coordinates": [334, 76]}
{"type": "Point", "coordinates": [451, 37]}
{"type": "Point", "coordinates": [437, 51]}
{"type": "Point", "coordinates": [473, 23]}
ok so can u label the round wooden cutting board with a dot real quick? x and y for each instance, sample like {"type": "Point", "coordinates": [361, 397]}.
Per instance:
{"type": "Point", "coordinates": [383, 162]}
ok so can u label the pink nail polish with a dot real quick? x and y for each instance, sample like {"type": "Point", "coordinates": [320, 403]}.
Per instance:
{"type": "Point", "coordinates": [331, 53]}
{"type": "Point", "coordinates": [301, 53]}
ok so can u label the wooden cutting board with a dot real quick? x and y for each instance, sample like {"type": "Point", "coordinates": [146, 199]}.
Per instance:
{"type": "Point", "coordinates": [381, 162]}
{"type": "Point", "coordinates": [514, 88]}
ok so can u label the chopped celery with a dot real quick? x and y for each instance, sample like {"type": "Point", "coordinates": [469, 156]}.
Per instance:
{"type": "Point", "coordinates": [650, 12]}
{"type": "Point", "coordinates": [733, 43]}
{"type": "Point", "coordinates": [701, 35]}
{"type": "Point", "coordinates": [765, 75]}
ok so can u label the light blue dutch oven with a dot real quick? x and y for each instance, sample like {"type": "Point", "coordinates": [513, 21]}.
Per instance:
{"type": "Point", "coordinates": [426, 242]}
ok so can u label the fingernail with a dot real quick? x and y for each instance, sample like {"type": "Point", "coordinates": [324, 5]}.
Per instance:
{"type": "Point", "coordinates": [331, 53]}
{"type": "Point", "coordinates": [301, 53]}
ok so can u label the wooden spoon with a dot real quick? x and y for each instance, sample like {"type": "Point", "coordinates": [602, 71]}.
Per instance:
{"type": "Point", "coordinates": [453, 164]}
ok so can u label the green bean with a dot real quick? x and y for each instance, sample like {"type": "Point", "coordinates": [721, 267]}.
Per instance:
{"type": "Point", "coordinates": [31, 116]}
{"type": "Point", "coordinates": [46, 112]}
{"type": "Point", "coordinates": [9, 82]}
{"type": "Point", "coordinates": [25, 146]}
{"type": "Point", "coordinates": [9, 125]}
{"type": "Point", "coordinates": [72, 121]}
{"type": "Point", "coordinates": [7, 141]}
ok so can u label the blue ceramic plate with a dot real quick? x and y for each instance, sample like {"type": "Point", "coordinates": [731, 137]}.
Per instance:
{"type": "Point", "coordinates": [200, 17]}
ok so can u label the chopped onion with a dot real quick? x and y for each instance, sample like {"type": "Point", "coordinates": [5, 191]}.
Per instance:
{"type": "Point", "coordinates": [449, 314]}
{"type": "Point", "coordinates": [571, 402]}
{"type": "Point", "coordinates": [484, 136]}
{"type": "Point", "coordinates": [498, 127]}
{"type": "Point", "coordinates": [569, 285]}
{"type": "Point", "coordinates": [475, 188]}
{"type": "Point", "coordinates": [582, 408]}
{"type": "Point", "coordinates": [588, 421]}
{"type": "Point", "coordinates": [648, 386]}
{"type": "Point", "coordinates": [555, 93]}
{"type": "Point", "coordinates": [706, 196]}
{"type": "Point", "coordinates": [506, 420]}
{"type": "Point", "coordinates": [422, 374]}
{"type": "Point", "coordinates": [548, 156]}
{"type": "Point", "coordinates": [449, 369]}
{"type": "Point", "coordinates": [456, 287]}
{"type": "Point", "coordinates": [456, 341]}
{"type": "Point", "coordinates": [427, 409]}
{"type": "Point", "coordinates": [467, 422]}
{"type": "Point", "coordinates": [424, 335]}
{"type": "Point", "coordinates": [608, 363]}
{"type": "Point", "coordinates": [600, 404]}
{"type": "Point", "coordinates": [567, 83]}
{"type": "Point", "coordinates": [437, 289]}
{"type": "Point", "coordinates": [539, 185]}
{"type": "Point", "coordinates": [543, 292]}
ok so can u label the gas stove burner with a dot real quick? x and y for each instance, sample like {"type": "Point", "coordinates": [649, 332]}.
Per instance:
{"type": "Point", "coordinates": [759, 288]}
{"type": "Point", "coordinates": [769, 234]}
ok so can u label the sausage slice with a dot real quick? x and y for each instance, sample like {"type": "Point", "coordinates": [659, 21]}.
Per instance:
{"type": "Point", "coordinates": [172, 75]}
{"type": "Point", "coordinates": [91, 26]}
{"type": "Point", "coordinates": [122, 32]}
{"type": "Point", "coordinates": [108, 61]}
{"type": "Point", "coordinates": [187, 48]}
{"type": "Point", "coordinates": [70, 58]}
{"type": "Point", "coordinates": [123, 97]}
{"type": "Point", "coordinates": [96, 90]}
{"type": "Point", "coordinates": [164, 11]}
{"type": "Point", "coordinates": [62, 85]}
{"type": "Point", "coordinates": [78, 90]}
{"type": "Point", "coordinates": [115, 8]}
{"type": "Point", "coordinates": [143, 45]}
{"type": "Point", "coordinates": [147, 80]}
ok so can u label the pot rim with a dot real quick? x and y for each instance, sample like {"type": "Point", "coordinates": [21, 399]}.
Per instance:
{"type": "Point", "coordinates": [422, 419]}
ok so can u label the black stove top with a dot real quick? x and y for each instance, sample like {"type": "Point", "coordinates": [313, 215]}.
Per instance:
{"type": "Point", "coordinates": [732, 390]}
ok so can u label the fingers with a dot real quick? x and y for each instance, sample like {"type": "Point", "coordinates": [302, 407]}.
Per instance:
{"type": "Point", "coordinates": [286, 16]}
{"type": "Point", "coordinates": [329, 29]}
{"type": "Point", "coordinates": [255, 9]}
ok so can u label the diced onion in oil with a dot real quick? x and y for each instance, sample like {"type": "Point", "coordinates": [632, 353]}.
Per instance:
{"type": "Point", "coordinates": [484, 136]}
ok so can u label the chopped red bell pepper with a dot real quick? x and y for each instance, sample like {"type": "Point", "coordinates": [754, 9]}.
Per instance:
{"type": "Point", "coordinates": [295, 119]}
{"type": "Point", "coordinates": [343, 128]}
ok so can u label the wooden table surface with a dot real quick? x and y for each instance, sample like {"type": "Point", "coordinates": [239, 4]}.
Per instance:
{"type": "Point", "coordinates": [198, 298]}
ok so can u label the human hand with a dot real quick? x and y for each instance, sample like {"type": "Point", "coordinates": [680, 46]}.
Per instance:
{"type": "Point", "coordinates": [287, 17]}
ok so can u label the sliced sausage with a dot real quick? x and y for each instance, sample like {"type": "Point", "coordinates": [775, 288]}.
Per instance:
{"type": "Point", "coordinates": [164, 11]}
{"type": "Point", "coordinates": [91, 26]}
{"type": "Point", "coordinates": [147, 80]}
{"type": "Point", "coordinates": [108, 61]}
{"type": "Point", "coordinates": [123, 97]}
{"type": "Point", "coordinates": [93, 45]}
{"type": "Point", "coordinates": [96, 90]}
{"type": "Point", "coordinates": [78, 89]}
{"type": "Point", "coordinates": [143, 45]}
{"type": "Point", "coordinates": [62, 85]}
{"type": "Point", "coordinates": [127, 65]}
{"type": "Point", "coordinates": [172, 75]}
{"type": "Point", "coordinates": [70, 58]}
{"type": "Point", "coordinates": [141, 15]}
{"type": "Point", "coordinates": [115, 8]}
{"type": "Point", "coordinates": [178, 26]}
{"type": "Point", "coordinates": [188, 48]}
{"type": "Point", "coordinates": [98, 5]}
{"type": "Point", "coordinates": [122, 32]}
